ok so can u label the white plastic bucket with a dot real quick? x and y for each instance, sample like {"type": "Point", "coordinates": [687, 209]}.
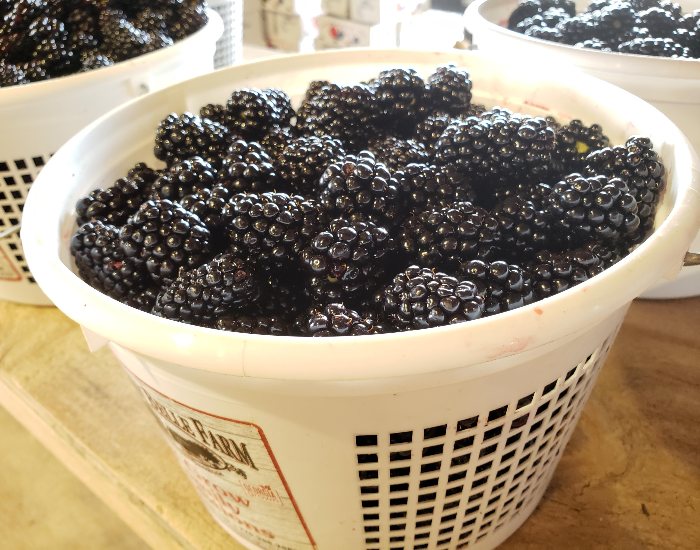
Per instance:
{"type": "Point", "coordinates": [230, 45]}
{"type": "Point", "coordinates": [39, 117]}
{"type": "Point", "coordinates": [439, 438]}
{"type": "Point", "coordinates": [671, 85]}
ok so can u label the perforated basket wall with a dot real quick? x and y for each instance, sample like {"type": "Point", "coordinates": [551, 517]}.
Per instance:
{"type": "Point", "coordinates": [451, 485]}
{"type": "Point", "coordinates": [228, 47]}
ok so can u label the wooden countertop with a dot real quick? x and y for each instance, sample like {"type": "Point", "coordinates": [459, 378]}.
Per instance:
{"type": "Point", "coordinates": [630, 477]}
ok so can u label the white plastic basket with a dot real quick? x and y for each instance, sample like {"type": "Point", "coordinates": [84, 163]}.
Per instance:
{"type": "Point", "coordinates": [671, 85]}
{"type": "Point", "coordinates": [38, 118]}
{"type": "Point", "coordinates": [229, 47]}
{"type": "Point", "coordinates": [439, 438]}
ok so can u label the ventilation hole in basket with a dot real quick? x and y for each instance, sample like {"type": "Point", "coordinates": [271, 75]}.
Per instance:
{"type": "Point", "coordinates": [370, 503]}
{"type": "Point", "coordinates": [483, 467]}
{"type": "Point", "coordinates": [431, 467]}
{"type": "Point", "coordinates": [399, 455]}
{"type": "Point", "coordinates": [372, 529]}
{"type": "Point", "coordinates": [10, 181]}
{"type": "Point", "coordinates": [503, 471]}
{"type": "Point", "coordinates": [479, 482]}
{"type": "Point", "coordinates": [398, 527]}
{"type": "Point", "coordinates": [535, 426]}
{"type": "Point", "coordinates": [543, 407]}
{"type": "Point", "coordinates": [495, 432]}
{"type": "Point", "coordinates": [549, 387]}
{"type": "Point", "coordinates": [497, 413]}
{"type": "Point", "coordinates": [460, 460]}
{"type": "Point", "coordinates": [451, 504]}
{"type": "Point", "coordinates": [454, 490]}
{"type": "Point", "coordinates": [570, 373]}
{"type": "Point", "coordinates": [398, 472]}
{"type": "Point", "coordinates": [421, 536]}
{"type": "Point", "coordinates": [456, 476]}
{"type": "Point", "coordinates": [14, 221]}
{"type": "Point", "coordinates": [400, 437]}
{"type": "Point", "coordinates": [432, 450]}
{"type": "Point", "coordinates": [462, 443]}
{"type": "Point", "coordinates": [397, 515]}
{"type": "Point", "coordinates": [38, 161]}
{"type": "Point", "coordinates": [365, 440]}
{"type": "Point", "coordinates": [467, 424]}
{"type": "Point", "coordinates": [435, 431]}
{"type": "Point", "coordinates": [398, 487]}
{"type": "Point", "coordinates": [420, 546]}
{"type": "Point", "coordinates": [487, 451]}
{"type": "Point", "coordinates": [368, 474]}
{"type": "Point", "coordinates": [425, 511]}
{"type": "Point", "coordinates": [400, 501]}
{"type": "Point", "coordinates": [428, 497]}
{"type": "Point", "coordinates": [367, 459]}
{"type": "Point", "coordinates": [370, 517]}
{"type": "Point", "coordinates": [424, 523]}
{"type": "Point", "coordinates": [432, 482]}
{"type": "Point", "coordinates": [369, 489]}
{"type": "Point", "coordinates": [7, 209]}
{"type": "Point", "coordinates": [563, 394]}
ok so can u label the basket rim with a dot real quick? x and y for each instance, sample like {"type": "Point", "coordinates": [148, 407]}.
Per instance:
{"type": "Point", "coordinates": [176, 342]}
{"type": "Point", "coordinates": [627, 63]}
{"type": "Point", "coordinates": [214, 27]}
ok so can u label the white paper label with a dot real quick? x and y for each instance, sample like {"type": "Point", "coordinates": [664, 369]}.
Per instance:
{"type": "Point", "coordinates": [235, 473]}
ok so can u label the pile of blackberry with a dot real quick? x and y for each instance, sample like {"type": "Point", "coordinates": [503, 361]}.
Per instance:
{"type": "Point", "coordinates": [360, 214]}
{"type": "Point", "coordinates": [645, 27]}
{"type": "Point", "coordinates": [42, 39]}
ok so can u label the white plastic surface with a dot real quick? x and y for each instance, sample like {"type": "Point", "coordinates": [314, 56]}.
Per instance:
{"type": "Point", "coordinates": [489, 405]}
{"type": "Point", "coordinates": [230, 44]}
{"type": "Point", "coordinates": [38, 118]}
{"type": "Point", "coordinates": [671, 85]}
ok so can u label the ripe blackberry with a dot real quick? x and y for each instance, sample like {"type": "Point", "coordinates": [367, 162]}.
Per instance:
{"type": "Point", "coordinates": [498, 145]}
{"type": "Point", "coordinates": [594, 44]}
{"type": "Point", "coordinates": [277, 139]}
{"type": "Point", "coordinates": [527, 191]}
{"type": "Point", "coordinates": [115, 204]}
{"type": "Point", "coordinates": [254, 323]}
{"type": "Point", "coordinates": [348, 254]}
{"type": "Point", "coordinates": [276, 226]}
{"type": "Point", "coordinates": [576, 29]}
{"type": "Point", "coordinates": [555, 272]}
{"type": "Point", "coordinates": [445, 237]}
{"type": "Point", "coordinates": [503, 286]}
{"type": "Point", "coordinates": [180, 137]}
{"type": "Point", "coordinates": [337, 320]}
{"type": "Point", "coordinates": [688, 39]}
{"type": "Point", "coordinates": [396, 153]}
{"type": "Point", "coordinates": [429, 130]}
{"type": "Point", "coordinates": [585, 208]}
{"type": "Point", "coordinates": [575, 141]}
{"type": "Point", "coordinates": [400, 94]}
{"type": "Point", "coordinates": [102, 263]}
{"type": "Point", "coordinates": [302, 161]}
{"type": "Point", "coordinates": [91, 60]}
{"type": "Point", "coordinates": [359, 184]}
{"type": "Point", "coordinates": [282, 291]}
{"type": "Point", "coordinates": [208, 205]}
{"type": "Point", "coordinates": [11, 75]}
{"type": "Point", "coordinates": [152, 20]}
{"type": "Point", "coordinates": [143, 300]}
{"type": "Point", "coordinates": [186, 20]}
{"type": "Point", "coordinates": [184, 178]}
{"type": "Point", "coordinates": [421, 297]}
{"type": "Point", "coordinates": [248, 168]}
{"type": "Point", "coordinates": [661, 23]}
{"type": "Point", "coordinates": [613, 22]}
{"type": "Point", "coordinates": [523, 227]}
{"type": "Point", "coordinates": [427, 186]}
{"type": "Point", "coordinates": [347, 113]}
{"type": "Point", "coordinates": [167, 237]}
{"type": "Point", "coordinates": [121, 39]}
{"type": "Point", "coordinates": [544, 33]}
{"type": "Point", "coordinates": [638, 165]}
{"type": "Point", "coordinates": [524, 9]}
{"type": "Point", "coordinates": [450, 89]}
{"type": "Point", "coordinates": [659, 47]}
{"type": "Point", "coordinates": [202, 294]}
{"type": "Point", "coordinates": [251, 113]}
{"type": "Point", "coordinates": [214, 112]}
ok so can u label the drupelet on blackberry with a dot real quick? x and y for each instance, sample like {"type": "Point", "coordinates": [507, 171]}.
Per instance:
{"type": "Point", "coordinates": [361, 186]}
{"type": "Point", "coordinates": [200, 295]}
{"type": "Point", "coordinates": [523, 227]}
{"type": "Point", "coordinates": [179, 137]}
{"type": "Point", "coordinates": [450, 89]}
{"type": "Point", "coordinates": [121, 39]}
{"type": "Point", "coordinates": [251, 113]}
{"type": "Point", "coordinates": [659, 47]}
{"type": "Point", "coordinates": [184, 178]}
{"type": "Point", "coordinates": [396, 153]}
{"type": "Point", "coordinates": [255, 323]}
{"type": "Point", "coordinates": [248, 168]}
{"type": "Point", "coordinates": [503, 286]}
{"type": "Point", "coordinates": [302, 161]}
{"type": "Point", "coordinates": [277, 139]}
{"type": "Point", "coordinates": [421, 297]}
{"type": "Point", "coordinates": [575, 141]}
{"type": "Point", "coordinates": [115, 204]}
{"type": "Point", "coordinates": [427, 186]}
{"type": "Point", "coordinates": [401, 97]}
{"type": "Point", "coordinates": [446, 236]}
{"type": "Point", "coordinates": [337, 319]}
{"type": "Point", "coordinates": [167, 237]}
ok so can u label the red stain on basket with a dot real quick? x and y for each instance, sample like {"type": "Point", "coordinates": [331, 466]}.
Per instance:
{"type": "Point", "coordinates": [538, 311]}
{"type": "Point", "coordinates": [514, 346]}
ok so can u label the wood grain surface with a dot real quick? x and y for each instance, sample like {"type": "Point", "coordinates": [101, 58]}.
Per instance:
{"type": "Point", "coordinates": [630, 477]}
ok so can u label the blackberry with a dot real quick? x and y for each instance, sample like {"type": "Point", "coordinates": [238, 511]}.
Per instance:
{"type": "Point", "coordinates": [429, 130]}
{"type": "Point", "coordinates": [91, 60]}
{"type": "Point", "coordinates": [659, 47]}
{"type": "Point", "coordinates": [282, 291]}
{"type": "Point", "coordinates": [276, 226]}
{"type": "Point", "coordinates": [427, 186]}
{"type": "Point", "coordinates": [544, 33]}
{"type": "Point", "coordinates": [202, 294]}
{"type": "Point", "coordinates": [186, 20]}
{"type": "Point", "coordinates": [259, 323]}
{"type": "Point", "coordinates": [347, 113]}
{"type": "Point", "coordinates": [498, 145]}
{"type": "Point", "coordinates": [277, 139]}
{"type": "Point", "coordinates": [613, 22]}
{"type": "Point", "coordinates": [396, 153]}
{"type": "Point", "coordinates": [576, 29]}
{"type": "Point", "coordinates": [337, 320]}
{"type": "Point", "coordinates": [638, 165]}
{"type": "Point", "coordinates": [575, 141]}
{"type": "Point", "coordinates": [361, 185]}
{"type": "Point", "coordinates": [555, 272]}
{"type": "Point", "coordinates": [348, 255]}
{"type": "Point", "coordinates": [302, 161]}
{"type": "Point", "coordinates": [524, 9]}
{"type": "Point", "coordinates": [102, 263]}
{"type": "Point", "coordinates": [11, 75]}
{"type": "Point", "coordinates": [208, 205]}
{"type": "Point", "coordinates": [450, 89]}
{"type": "Point", "coordinates": [523, 227]}
{"type": "Point", "coordinates": [151, 20]}
{"type": "Point", "coordinates": [688, 39]}
{"type": "Point", "coordinates": [251, 113]}
{"type": "Point", "coordinates": [214, 112]}
{"type": "Point", "coordinates": [594, 44]}
{"type": "Point", "coordinates": [184, 178]}
{"type": "Point", "coordinates": [167, 237]}
{"type": "Point", "coordinates": [400, 94]}
{"type": "Point", "coordinates": [527, 191]}
{"type": "Point", "coordinates": [421, 298]}
{"type": "Point", "coordinates": [248, 168]}
{"type": "Point", "coordinates": [121, 39]}
{"type": "Point", "coordinates": [660, 22]}
{"type": "Point", "coordinates": [115, 204]}
{"type": "Point", "coordinates": [180, 137]}
{"type": "Point", "coordinates": [503, 286]}
{"type": "Point", "coordinates": [143, 300]}
{"type": "Point", "coordinates": [445, 237]}
{"type": "Point", "coordinates": [586, 208]}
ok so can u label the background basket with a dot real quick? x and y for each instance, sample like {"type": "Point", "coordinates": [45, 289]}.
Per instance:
{"type": "Point", "coordinates": [38, 118]}
{"type": "Point", "coordinates": [229, 47]}
{"type": "Point", "coordinates": [671, 85]}
{"type": "Point", "coordinates": [440, 438]}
